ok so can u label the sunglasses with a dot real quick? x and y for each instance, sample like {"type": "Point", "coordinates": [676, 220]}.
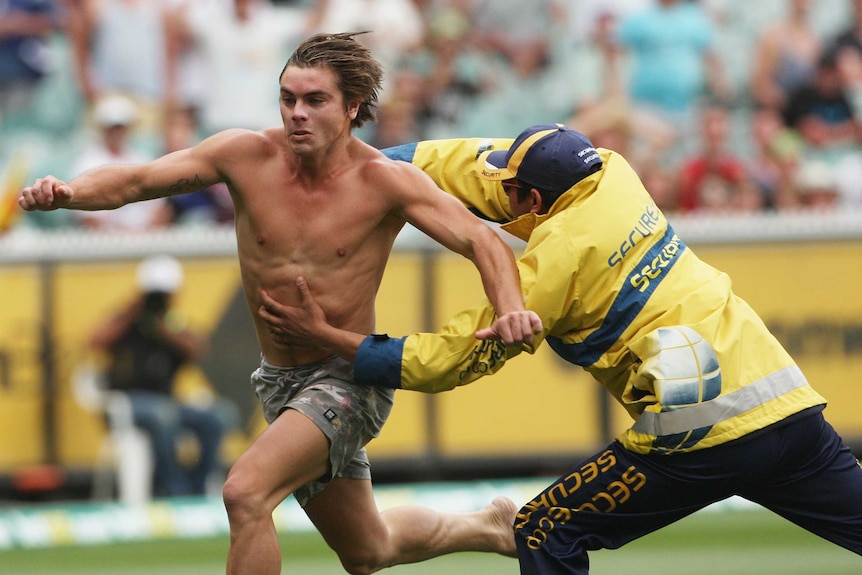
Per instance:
{"type": "Point", "coordinates": [515, 186]}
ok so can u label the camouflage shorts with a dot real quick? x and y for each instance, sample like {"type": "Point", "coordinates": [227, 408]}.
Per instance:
{"type": "Point", "coordinates": [348, 414]}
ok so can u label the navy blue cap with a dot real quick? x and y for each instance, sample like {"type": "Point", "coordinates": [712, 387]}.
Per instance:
{"type": "Point", "coordinates": [550, 157]}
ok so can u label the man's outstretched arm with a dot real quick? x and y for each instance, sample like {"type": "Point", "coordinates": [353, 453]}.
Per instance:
{"type": "Point", "coordinates": [114, 185]}
{"type": "Point", "coordinates": [457, 355]}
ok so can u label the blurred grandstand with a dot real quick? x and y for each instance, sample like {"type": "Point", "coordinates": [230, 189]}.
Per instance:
{"type": "Point", "coordinates": [487, 93]}
{"type": "Point", "coordinates": [54, 128]}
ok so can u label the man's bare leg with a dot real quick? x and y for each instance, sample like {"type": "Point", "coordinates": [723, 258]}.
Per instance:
{"type": "Point", "coordinates": [366, 540]}
{"type": "Point", "coordinates": [289, 453]}
{"type": "Point", "coordinates": [420, 533]}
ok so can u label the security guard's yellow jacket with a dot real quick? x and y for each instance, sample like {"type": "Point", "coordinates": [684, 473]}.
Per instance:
{"type": "Point", "coordinates": [620, 294]}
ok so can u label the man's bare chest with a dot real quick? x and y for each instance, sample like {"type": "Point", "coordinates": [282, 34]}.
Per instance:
{"type": "Point", "coordinates": [321, 226]}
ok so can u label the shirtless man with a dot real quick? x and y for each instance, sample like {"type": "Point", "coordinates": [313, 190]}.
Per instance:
{"type": "Point", "coordinates": [311, 200]}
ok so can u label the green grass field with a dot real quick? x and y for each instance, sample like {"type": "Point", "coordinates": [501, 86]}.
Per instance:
{"type": "Point", "coordinates": [735, 542]}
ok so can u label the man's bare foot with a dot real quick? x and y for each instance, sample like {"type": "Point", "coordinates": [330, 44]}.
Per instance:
{"type": "Point", "coordinates": [502, 513]}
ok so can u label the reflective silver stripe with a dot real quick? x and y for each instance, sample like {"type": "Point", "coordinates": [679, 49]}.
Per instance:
{"type": "Point", "coordinates": [721, 408]}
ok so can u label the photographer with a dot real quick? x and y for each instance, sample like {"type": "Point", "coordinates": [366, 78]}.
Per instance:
{"type": "Point", "coordinates": [147, 345]}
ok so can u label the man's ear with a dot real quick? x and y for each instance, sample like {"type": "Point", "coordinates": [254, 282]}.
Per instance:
{"type": "Point", "coordinates": [353, 109]}
{"type": "Point", "coordinates": [536, 202]}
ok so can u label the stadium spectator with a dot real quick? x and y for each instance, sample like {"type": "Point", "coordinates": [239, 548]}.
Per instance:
{"type": "Point", "coordinates": [311, 198]}
{"type": "Point", "coordinates": [186, 67]}
{"type": "Point", "coordinates": [114, 117]}
{"type": "Point", "coordinates": [848, 47]}
{"type": "Point", "coordinates": [25, 27]}
{"type": "Point", "coordinates": [595, 54]}
{"type": "Point", "coordinates": [518, 41]}
{"type": "Point", "coordinates": [849, 38]}
{"type": "Point", "coordinates": [611, 123]}
{"type": "Point", "coordinates": [398, 120]}
{"type": "Point", "coordinates": [663, 185]}
{"type": "Point", "coordinates": [120, 47]}
{"type": "Point", "coordinates": [211, 205]}
{"type": "Point", "coordinates": [588, 17]}
{"type": "Point", "coordinates": [716, 180]}
{"type": "Point", "coordinates": [232, 50]}
{"type": "Point", "coordinates": [785, 56]}
{"type": "Point", "coordinates": [848, 180]}
{"type": "Point", "coordinates": [607, 124]}
{"type": "Point", "coordinates": [720, 409]}
{"type": "Point", "coordinates": [672, 64]}
{"type": "Point", "coordinates": [817, 187]}
{"type": "Point", "coordinates": [821, 111]}
{"type": "Point", "coordinates": [397, 29]}
{"type": "Point", "coordinates": [517, 31]}
{"type": "Point", "coordinates": [609, 118]}
{"type": "Point", "coordinates": [848, 168]}
{"type": "Point", "coordinates": [452, 75]}
{"type": "Point", "coordinates": [774, 159]}
{"type": "Point", "coordinates": [147, 343]}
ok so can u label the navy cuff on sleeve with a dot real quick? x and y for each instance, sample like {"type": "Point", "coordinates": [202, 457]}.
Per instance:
{"type": "Point", "coordinates": [378, 361]}
{"type": "Point", "coordinates": [404, 152]}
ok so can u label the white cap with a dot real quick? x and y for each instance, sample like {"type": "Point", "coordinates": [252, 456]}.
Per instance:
{"type": "Point", "coordinates": [815, 175]}
{"type": "Point", "coordinates": [160, 273]}
{"type": "Point", "coordinates": [115, 110]}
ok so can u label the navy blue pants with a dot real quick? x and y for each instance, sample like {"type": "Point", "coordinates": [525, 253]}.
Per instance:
{"type": "Point", "coordinates": [800, 470]}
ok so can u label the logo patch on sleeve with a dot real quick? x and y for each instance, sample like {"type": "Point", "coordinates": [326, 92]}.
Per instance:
{"type": "Point", "coordinates": [329, 414]}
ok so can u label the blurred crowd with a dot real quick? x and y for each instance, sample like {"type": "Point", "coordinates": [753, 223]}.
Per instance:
{"type": "Point", "coordinates": [722, 106]}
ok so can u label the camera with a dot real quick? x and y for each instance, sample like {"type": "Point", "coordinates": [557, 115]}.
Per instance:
{"type": "Point", "coordinates": [156, 302]}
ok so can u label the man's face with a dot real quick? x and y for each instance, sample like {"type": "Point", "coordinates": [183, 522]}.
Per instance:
{"type": "Point", "coordinates": [516, 190]}
{"type": "Point", "coordinates": [115, 137]}
{"type": "Point", "coordinates": [312, 109]}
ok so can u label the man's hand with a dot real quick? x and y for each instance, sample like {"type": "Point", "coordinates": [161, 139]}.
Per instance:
{"type": "Point", "coordinates": [306, 324]}
{"type": "Point", "coordinates": [45, 194]}
{"type": "Point", "coordinates": [294, 325]}
{"type": "Point", "coordinates": [513, 328]}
